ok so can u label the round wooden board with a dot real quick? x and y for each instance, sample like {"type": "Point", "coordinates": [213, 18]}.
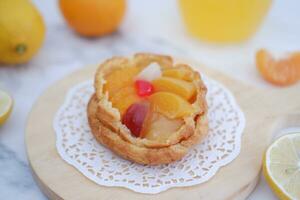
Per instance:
{"type": "Point", "coordinates": [59, 180]}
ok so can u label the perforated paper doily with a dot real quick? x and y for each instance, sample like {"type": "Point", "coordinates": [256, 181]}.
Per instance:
{"type": "Point", "coordinates": [76, 145]}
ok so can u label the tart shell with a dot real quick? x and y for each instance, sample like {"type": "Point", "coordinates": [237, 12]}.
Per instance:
{"type": "Point", "coordinates": [106, 126]}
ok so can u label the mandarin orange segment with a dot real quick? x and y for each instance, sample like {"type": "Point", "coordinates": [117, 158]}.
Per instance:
{"type": "Point", "coordinates": [179, 73]}
{"type": "Point", "coordinates": [124, 98]}
{"type": "Point", "coordinates": [182, 88]}
{"type": "Point", "coordinates": [170, 105]}
{"type": "Point", "coordinates": [159, 128]}
{"type": "Point", "coordinates": [281, 72]}
{"type": "Point", "coordinates": [122, 93]}
{"type": "Point", "coordinates": [128, 101]}
{"type": "Point", "coordinates": [120, 78]}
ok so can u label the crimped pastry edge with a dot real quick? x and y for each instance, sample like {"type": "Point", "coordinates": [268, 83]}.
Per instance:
{"type": "Point", "coordinates": [117, 135]}
{"type": "Point", "coordinates": [140, 154]}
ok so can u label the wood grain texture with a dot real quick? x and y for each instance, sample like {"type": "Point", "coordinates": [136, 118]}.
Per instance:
{"type": "Point", "coordinates": [265, 111]}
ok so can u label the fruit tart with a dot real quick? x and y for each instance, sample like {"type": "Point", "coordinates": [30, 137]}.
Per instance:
{"type": "Point", "coordinates": [147, 108]}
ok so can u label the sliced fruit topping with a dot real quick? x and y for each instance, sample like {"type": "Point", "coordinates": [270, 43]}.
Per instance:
{"type": "Point", "coordinates": [170, 105]}
{"type": "Point", "coordinates": [179, 73]}
{"type": "Point", "coordinates": [124, 98]}
{"type": "Point", "coordinates": [281, 72]}
{"type": "Point", "coordinates": [159, 128]}
{"type": "Point", "coordinates": [143, 88]}
{"type": "Point", "coordinates": [120, 78]}
{"type": "Point", "coordinates": [150, 72]}
{"type": "Point", "coordinates": [182, 88]}
{"type": "Point", "coordinates": [122, 106]}
{"type": "Point", "coordinates": [135, 116]}
{"type": "Point", "coordinates": [123, 92]}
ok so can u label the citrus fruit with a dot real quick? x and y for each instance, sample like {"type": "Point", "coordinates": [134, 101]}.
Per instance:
{"type": "Point", "coordinates": [22, 31]}
{"type": "Point", "coordinates": [124, 98]}
{"type": "Point", "coordinates": [282, 166]}
{"type": "Point", "coordinates": [6, 104]}
{"type": "Point", "coordinates": [280, 72]}
{"type": "Point", "coordinates": [182, 88]}
{"type": "Point", "coordinates": [93, 17]}
{"type": "Point", "coordinates": [120, 78]}
{"type": "Point", "coordinates": [171, 105]}
{"type": "Point", "coordinates": [179, 73]}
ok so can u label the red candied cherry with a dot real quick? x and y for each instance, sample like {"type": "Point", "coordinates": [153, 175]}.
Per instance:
{"type": "Point", "coordinates": [144, 88]}
{"type": "Point", "coordinates": [134, 117]}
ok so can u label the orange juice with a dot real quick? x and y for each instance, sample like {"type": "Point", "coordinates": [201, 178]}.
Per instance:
{"type": "Point", "coordinates": [223, 20]}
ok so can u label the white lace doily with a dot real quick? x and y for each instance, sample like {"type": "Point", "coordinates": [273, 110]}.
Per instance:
{"type": "Point", "coordinates": [77, 146]}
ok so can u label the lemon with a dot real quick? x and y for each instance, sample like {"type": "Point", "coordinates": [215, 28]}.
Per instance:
{"type": "Point", "coordinates": [6, 104]}
{"type": "Point", "coordinates": [22, 31]}
{"type": "Point", "coordinates": [282, 166]}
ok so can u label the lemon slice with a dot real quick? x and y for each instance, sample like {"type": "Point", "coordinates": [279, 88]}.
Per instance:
{"type": "Point", "coordinates": [6, 104]}
{"type": "Point", "coordinates": [282, 166]}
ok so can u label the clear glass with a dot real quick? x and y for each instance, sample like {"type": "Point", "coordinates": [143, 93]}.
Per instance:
{"type": "Point", "coordinates": [223, 20]}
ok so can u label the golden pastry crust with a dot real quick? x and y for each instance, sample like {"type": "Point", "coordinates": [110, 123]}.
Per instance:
{"type": "Point", "coordinates": [106, 126]}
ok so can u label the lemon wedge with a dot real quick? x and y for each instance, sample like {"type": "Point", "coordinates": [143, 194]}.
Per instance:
{"type": "Point", "coordinates": [282, 166]}
{"type": "Point", "coordinates": [6, 104]}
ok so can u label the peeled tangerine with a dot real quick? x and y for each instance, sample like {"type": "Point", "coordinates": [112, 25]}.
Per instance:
{"type": "Point", "coordinates": [281, 72]}
{"type": "Point", "coordinates": [182, 88]}
{"type": "Point", "coordinates": [170, 105]}
{"type": "Point", "coordinates": [120, 78]}
{"type": "Point", "coordinates": [124, 98]}
{"type": "Point", "coordinates": [179, 73]}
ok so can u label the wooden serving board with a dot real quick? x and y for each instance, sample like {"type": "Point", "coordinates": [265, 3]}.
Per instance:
{"type": "Point", "coordinates": [265, 112]}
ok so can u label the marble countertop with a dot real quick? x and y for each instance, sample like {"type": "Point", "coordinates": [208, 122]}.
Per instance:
{"type": "Point", "coordinates": [153, 26]}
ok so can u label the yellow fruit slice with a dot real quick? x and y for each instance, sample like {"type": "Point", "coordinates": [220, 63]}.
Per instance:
{"type": "Point", "coordinates": [6, 104]}
{"type": "Point", "coordinates": [170, 105]}
{"type": "Point", "coordinates": [282, 166]}
{"type": "Point", "coordinates": [182, 88]}
{"type": "Point", "coordinates": [128, 101]}
{"type": "Point", "coordinates": [124, 98]}
{"type": "Point", "coordinates": [179, 73]}
{"type": "Point", "coordinates": [121, 94]}
{"type": "Point", "coordinates": [120, 78]}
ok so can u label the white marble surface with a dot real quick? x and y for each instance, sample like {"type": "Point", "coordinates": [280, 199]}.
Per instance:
{"type": "Point", "coordinates": [149, 26]}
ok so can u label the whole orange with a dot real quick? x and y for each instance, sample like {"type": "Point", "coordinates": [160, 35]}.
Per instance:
{"type": "Point", "coordinates": [93, 17]}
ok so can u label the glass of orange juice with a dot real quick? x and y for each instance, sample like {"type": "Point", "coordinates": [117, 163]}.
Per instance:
{"type": "Point", "coordinates": [223, 20]}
